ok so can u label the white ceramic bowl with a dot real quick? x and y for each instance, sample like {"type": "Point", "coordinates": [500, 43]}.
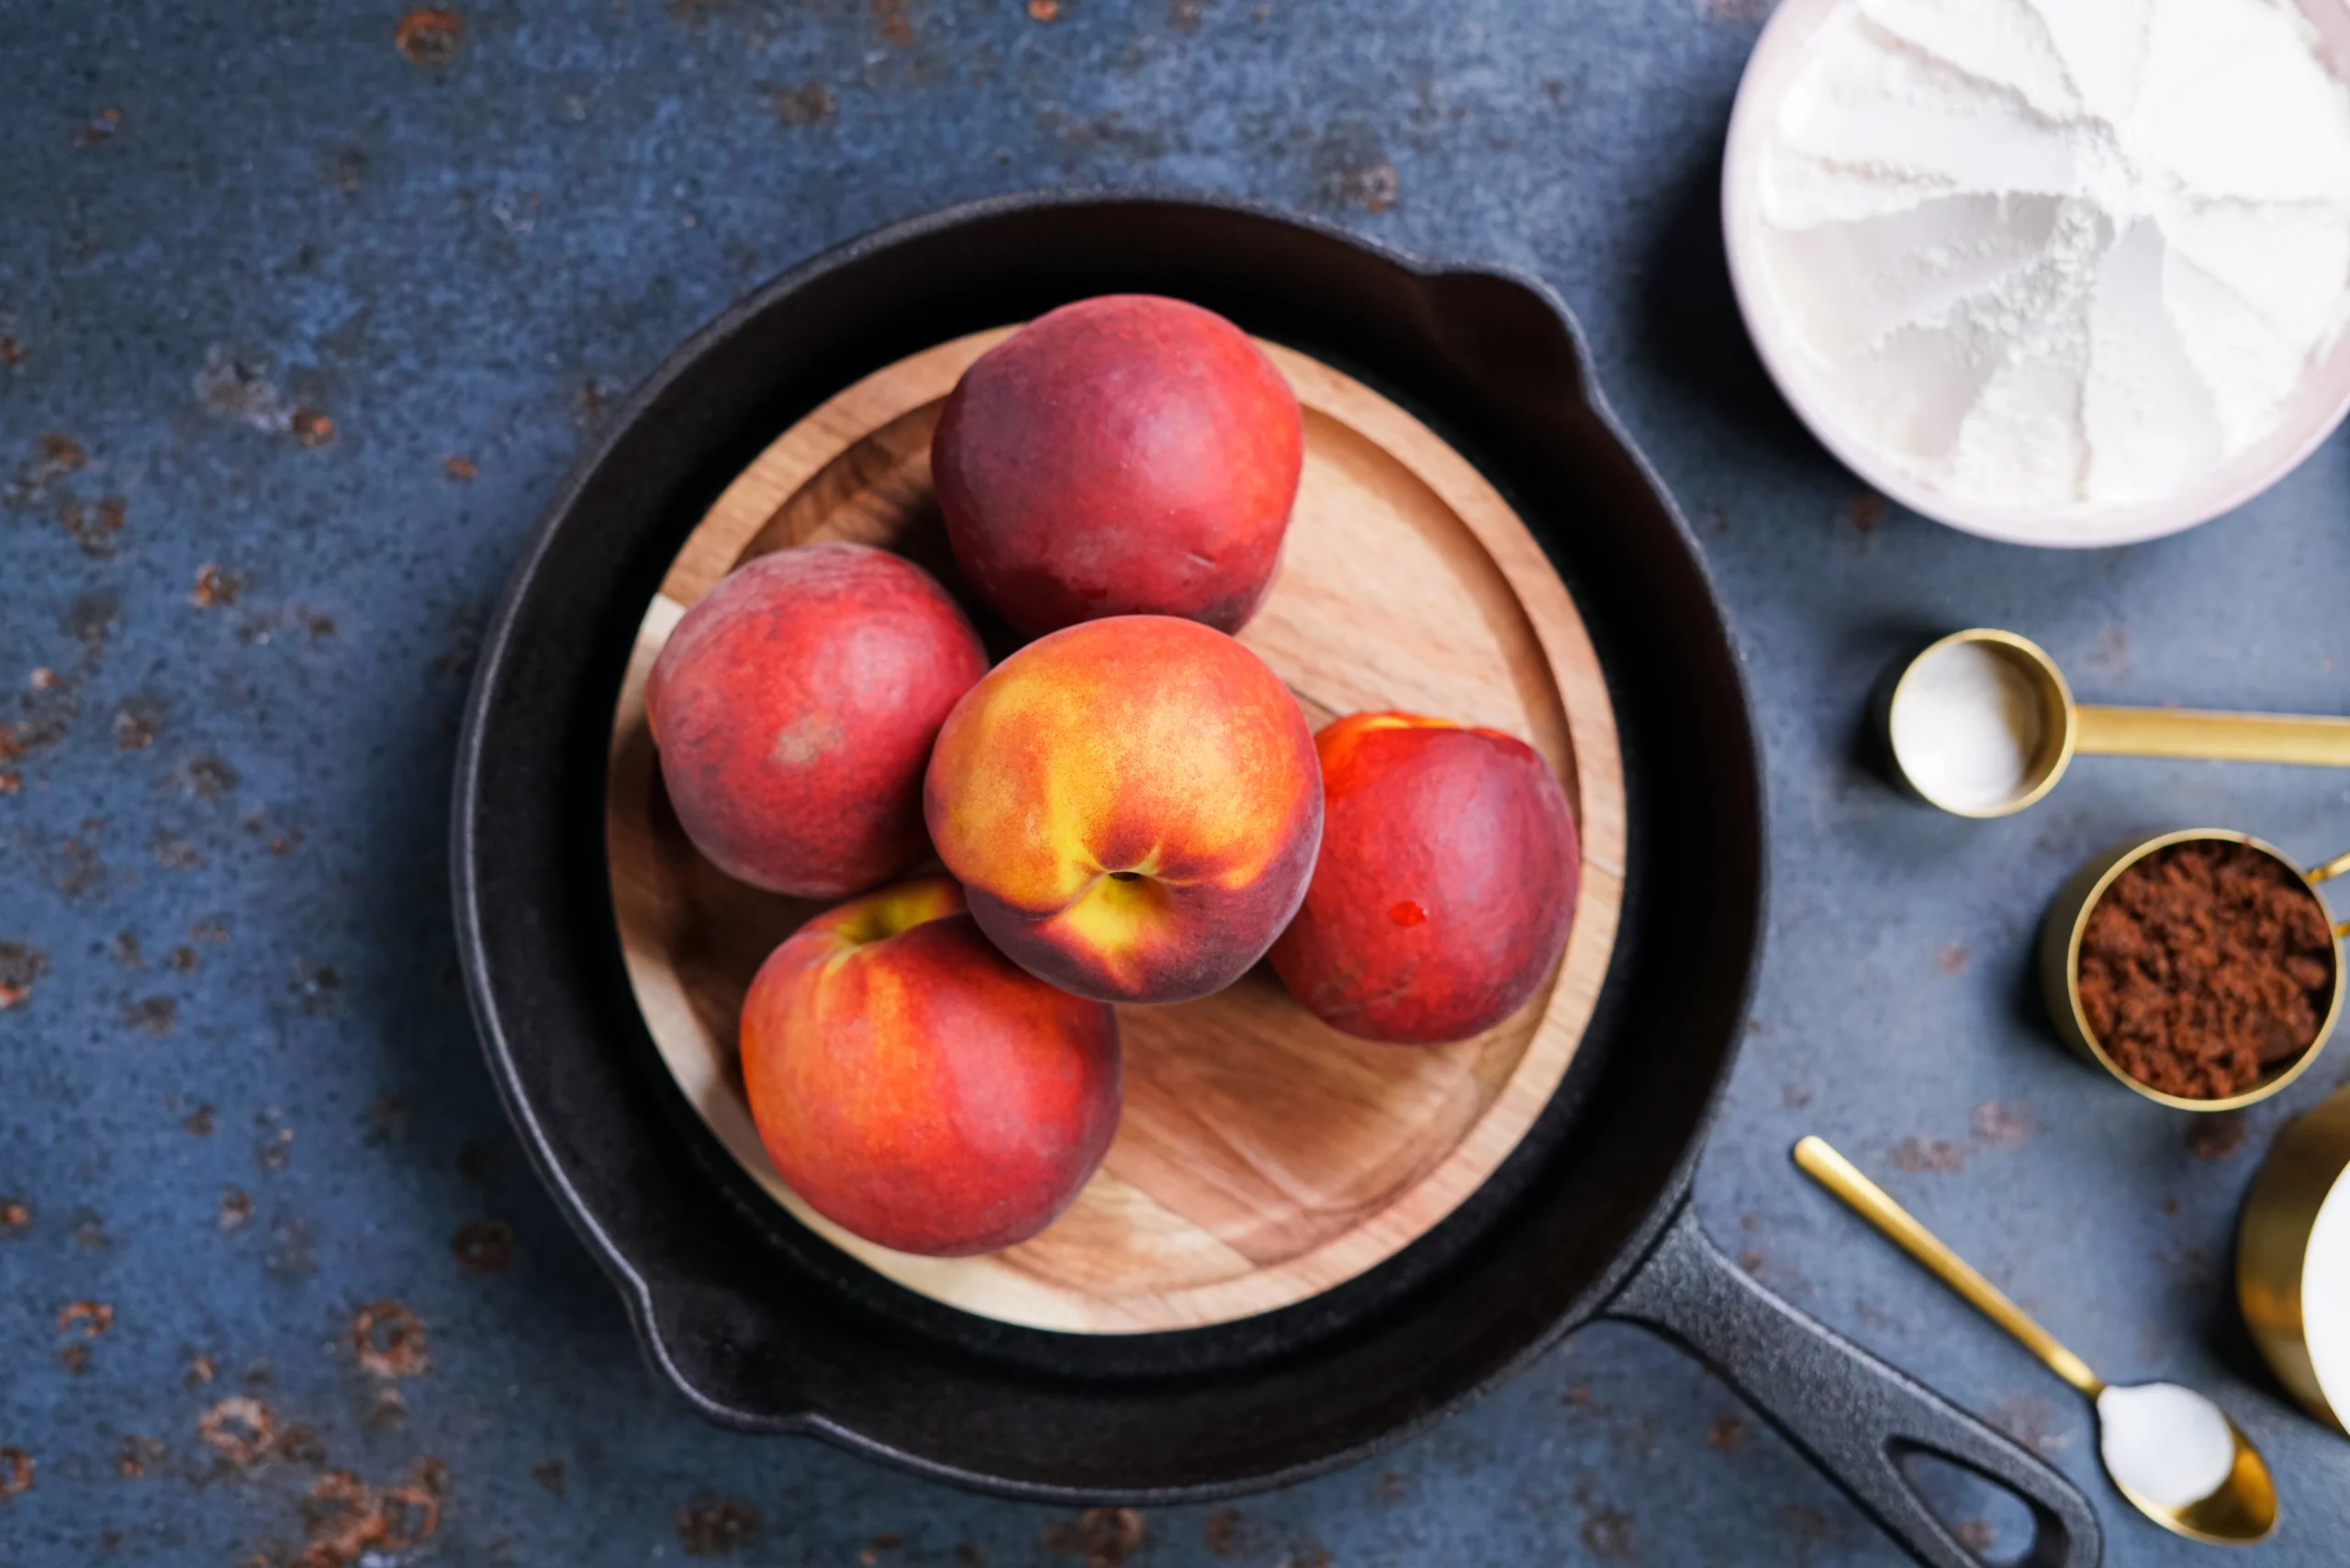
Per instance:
{"type": "Point", "coordinates": [2312, 414]}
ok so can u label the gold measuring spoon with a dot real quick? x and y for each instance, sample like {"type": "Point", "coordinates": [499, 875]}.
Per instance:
{"type": "Point", "coordinates": [2172, 1453]}
{"type": "Point", "coordinates": [1981, 724]}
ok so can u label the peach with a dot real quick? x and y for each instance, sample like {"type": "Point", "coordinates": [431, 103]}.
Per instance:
{"type": "Point", "coordinates": [1132, 805]}
{"type": "Point", "coordinates": [795, 706]}
{"type": "Point", "coordinates": [917, 1088]}
{"type": "Point", "coordinates": [1122, 456]}
{"type": "Point", "coordinates": [1446, 885]}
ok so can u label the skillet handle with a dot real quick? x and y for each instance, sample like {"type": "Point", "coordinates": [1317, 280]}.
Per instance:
{"type": "Point", "coordinates": [1852, 1415]}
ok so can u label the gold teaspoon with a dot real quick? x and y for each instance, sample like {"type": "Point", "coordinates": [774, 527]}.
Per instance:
{"type": "Point", "coordinates": [2171, 1451]}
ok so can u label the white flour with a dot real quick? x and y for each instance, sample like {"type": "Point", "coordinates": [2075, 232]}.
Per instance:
{"type": "Point", "coordinates": [2170, 1444]}
{"type": "Point", "coordinates": [2060, 254]}
{"type": "Point", "coordinates": [1968, 727]}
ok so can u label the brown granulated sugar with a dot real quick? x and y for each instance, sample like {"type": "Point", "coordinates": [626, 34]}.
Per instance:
{"type": "Point", "coordinates": [2203, 966]}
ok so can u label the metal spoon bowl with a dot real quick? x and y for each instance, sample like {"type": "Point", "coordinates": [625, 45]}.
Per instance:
{"type": "Point", "coordinates": [2051, 728]}
{"type": "Point", "coordinates": [2142, 1427]}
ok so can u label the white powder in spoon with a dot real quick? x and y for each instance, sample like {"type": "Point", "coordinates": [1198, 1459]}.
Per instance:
{"type": "Point", "coordinates": [1968, 727]}
{"type": "Point", "coordinates": [2168, 1444]}
{"type": "Point", "coordinates": [2059, 254]}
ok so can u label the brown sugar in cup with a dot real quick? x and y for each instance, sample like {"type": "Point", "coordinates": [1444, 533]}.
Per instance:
{"type": "Point", "coordinates": [2196, 966]}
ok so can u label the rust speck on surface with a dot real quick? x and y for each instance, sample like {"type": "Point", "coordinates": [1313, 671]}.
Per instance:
{"type": "Point", "coordinates": [235, 1209]}
{"type": "Point", "coordinates": [549, 1475]}
{"type": "Point", "coordinates": [198, 1122]}
{"type": "Point", "coordinates": [312, 427]}
{"type": "Point", "coordinates": [1044, 10]}
{"type": "Point", "coordinates": [388, 1340]}
{"type": "Point", "coordinates": [428, 36]}
{"type": "Point", "coordinates": [1866, 511]}
{"type": "Point", "coordinates": [808, 104]}
{"type": "Point", "coordinates": [1105, 1537]}
{"type": "Point", "coordinates": [135, 723]}
{"type": "Point", "coordinates": [1726, 1433]}
{"type": "Point", "coordinates": [55, 455]}
{"type": "Point", "coordinates": [139, 1455]}
{"type": "Point", "coordinates": [16, 1218]}
{"type": "Point", "coordinates": [2215, 1135]}
{"type": "Point", "coordinates": [216, 588]}
{"type": "Point", "coordinates": [714, 1526]}
{"type": "Point", "coordinates": [1952, 959]}
{"type": "Point", "coordinates": [16, 1471]}
{"type": "Point", "coordinates": [101, 129]}
{"type": "Point", "coordinates": [94, 529]}
{"type": "Point", "coordinates": [2004, 1122]}
{"type": "Point", "coordinates": [459, 468]}
{"type": "Point", "coordinates": [200, 1371]}
{"type": "Point", "coordinates": [241, 1428]}
{"type": "Point", "coordinates": [1928, 1154]}
{"type": "Point", "coordinates": [889, 19]}
{"type": "Point", "coordinates": [1221, 1534]}
{"type": "Point", "coordinates": [19, 966]}
{"type": "Point", "coordinates": [969, 1556]}
{"type": "Point", "coordinates": [12, 352]}
{"type": "Point", "coordinates": [1374, 188]}
{"type": "Point", "coordinates": [349, 1521]}
{"type": "Point", "coordinates": [484, 1247]}
{"type": "Point", "coordinates": [2032, 1421]}
{"type": "Point", "coordinates": [157, 1016]}
{"type": "Point", "coordinates": [1805, 1522]}
{"type": "Point", "coordinates": [206, 777]}
{"type": "Point", "coordinates": [91, 1317]}
{"type": "Point", "coordinates": [1609, 1533]}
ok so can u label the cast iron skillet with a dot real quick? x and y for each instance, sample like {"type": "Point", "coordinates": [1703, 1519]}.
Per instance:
{"type": "Point", "coordinates": [766, 1328]}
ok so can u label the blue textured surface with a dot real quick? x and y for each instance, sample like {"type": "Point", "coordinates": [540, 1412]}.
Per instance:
{"type": "Point", "coordinates": [239, 1099]}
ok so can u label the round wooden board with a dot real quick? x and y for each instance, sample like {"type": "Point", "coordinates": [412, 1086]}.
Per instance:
{"type": "Point", "coordinates": [1262, 1158]}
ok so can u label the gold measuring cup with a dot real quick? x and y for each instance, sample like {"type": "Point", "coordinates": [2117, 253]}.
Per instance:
{"type": "Point", "coordinates": [2056, 729]}
{"type": "Point", "coordinates": [2068, 918]}
{"type": "Point", "coordinates": [2307, 1164]}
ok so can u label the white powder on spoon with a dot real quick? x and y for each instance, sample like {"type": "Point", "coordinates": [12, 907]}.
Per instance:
{"type": "Point", "coordinates": [2170, 1444]}
{"type": "Point", "coordinates": [1968, 727]}
{"type": "Point", "coordinates": [2060, 254]}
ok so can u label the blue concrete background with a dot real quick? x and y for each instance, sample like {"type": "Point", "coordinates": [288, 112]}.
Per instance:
{"type": "Point", "coordinates": [302, 317]}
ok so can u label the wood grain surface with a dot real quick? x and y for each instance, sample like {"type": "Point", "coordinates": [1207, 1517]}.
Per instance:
{"type": "Point", "coordinates": [1262, 1157]}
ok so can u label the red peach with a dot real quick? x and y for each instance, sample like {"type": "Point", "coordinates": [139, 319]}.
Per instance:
{"type": "Point", "coordinates": [1125, 455]}
{"type": "Point", "coordinates": [795, 706]}
{"type": "Point", "coordinates": [1132, 805]}
{"type": "Point", "coordinates": [1446, 885]}
{"type": "Point", "coordinates": [916, 1087]}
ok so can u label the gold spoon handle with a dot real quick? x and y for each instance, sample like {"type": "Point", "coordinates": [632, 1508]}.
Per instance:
{"type": "Point", "coordinates": [1838, 1175]}
{"type": "Point", "coordinates": [2222, 737]}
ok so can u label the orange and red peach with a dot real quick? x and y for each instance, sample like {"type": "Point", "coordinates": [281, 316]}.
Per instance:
{"type": "Point", "coordinates": [918, 1089]}
{"type": "Point", "coordinates": [795, 706]}
{"type": "Point", "coordinates": [1122, 456]}
{"type": "Point", "coordinates": [1446, 885]}
{"type": "Point", "coordinates": [1132, 805]}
